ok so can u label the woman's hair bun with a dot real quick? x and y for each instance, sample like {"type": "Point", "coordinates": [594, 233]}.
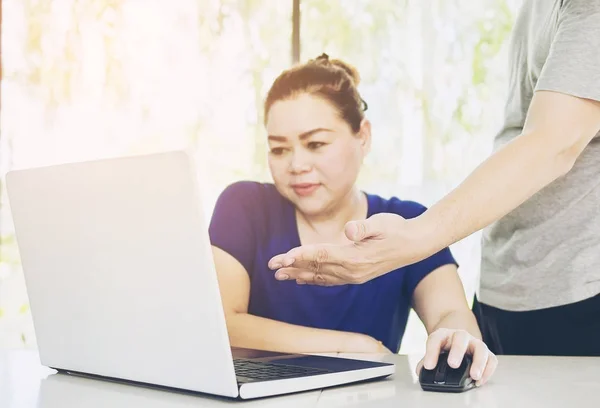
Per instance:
{"type": "Point", "coordinates": [349, 69]}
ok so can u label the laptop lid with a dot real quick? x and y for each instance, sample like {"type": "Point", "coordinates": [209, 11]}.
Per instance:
{"type": "Point", "coordinates": [119, 271]}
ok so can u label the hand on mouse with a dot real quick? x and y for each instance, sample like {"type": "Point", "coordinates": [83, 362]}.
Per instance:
{"type": "Point", "coordinates": [459, 343]}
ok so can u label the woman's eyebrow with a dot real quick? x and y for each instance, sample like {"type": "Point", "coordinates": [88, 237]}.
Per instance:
{"type": "Point", "coordinates": [302, 136]}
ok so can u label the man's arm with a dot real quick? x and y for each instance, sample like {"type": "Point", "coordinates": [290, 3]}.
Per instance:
{"type": "Point", "coordinates": [557, 129]}
{"type": "Point", "coordinates": [564, 115]}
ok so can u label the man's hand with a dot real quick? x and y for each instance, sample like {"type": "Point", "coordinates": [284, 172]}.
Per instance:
{"type": "Point", "coordinates": [378, 245]}
{"type": "Point", "coordinates": [459, 343]}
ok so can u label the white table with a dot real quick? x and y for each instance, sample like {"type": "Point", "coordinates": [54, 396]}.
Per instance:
{"type": "Point", "coordinates": [519, 382]}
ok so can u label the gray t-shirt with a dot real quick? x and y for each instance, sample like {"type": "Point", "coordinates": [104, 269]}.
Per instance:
{"type": "Point", "coordinates": [546, 252]}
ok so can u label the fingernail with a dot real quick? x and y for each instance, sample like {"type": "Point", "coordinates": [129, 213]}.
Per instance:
{"type": "Point", "coordinates": [477, 375]}
{"type": "Point", "coordinates": [454, 363]}
{"type": "Point", "coordinates": [288, 262]}
{"type": "Point", "coordinates": [281, 276]}
{"type": "Point", "coordinates": [276, 266]}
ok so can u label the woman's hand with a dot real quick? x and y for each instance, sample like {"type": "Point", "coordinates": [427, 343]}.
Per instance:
{"type": "Point", "coordinates": [361, 343]}
{"type": "Point", "coordinates": [459, 343]}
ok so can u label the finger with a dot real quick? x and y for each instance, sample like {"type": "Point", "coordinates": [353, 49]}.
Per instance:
{"type": "Point", "coordinates": [435, 343]}
{"type": "Point", "coordinates": [460, 343]}
{"type": "Point", "coordinates": [305, 257]}
{"type": "Point", "coordinates": [312, 257]}
{"type": "Point", "coordinates": [419, 367]}
{"type": "Point", "coordinates": [302, 256]}
{"type": "Point", "coordinates": [490, 368]}
{"type": "Point", "coordinates": [357, 230]}
{"type": "Point", "coordinates": [307, 277]}
{"type": "Point", "coordinates": [277, 261]}
{"type": "Point", "coordinates": [292, 273]}
{"type": "Point", "coordinates": [480, 354]}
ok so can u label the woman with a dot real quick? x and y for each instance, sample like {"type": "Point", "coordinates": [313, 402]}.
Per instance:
{"type": "Point", "coordinates": [318, 137]}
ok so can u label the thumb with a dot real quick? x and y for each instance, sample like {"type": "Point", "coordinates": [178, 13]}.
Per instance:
{"type": "Point", "coordinates": [358, 230]}
{"type": "Point", "coordinates": [419, 367]}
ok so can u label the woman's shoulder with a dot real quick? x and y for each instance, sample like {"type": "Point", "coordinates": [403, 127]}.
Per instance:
{"type": "Point", "coordinates": [249, 206]}
{"type": "Point", "coordinates": [405, 208]}
{"type": "Point", "coordinates": [259, 201]}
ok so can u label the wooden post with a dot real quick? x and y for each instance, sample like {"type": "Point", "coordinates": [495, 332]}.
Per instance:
{"type": "Point", "coordinates": [295, 31]}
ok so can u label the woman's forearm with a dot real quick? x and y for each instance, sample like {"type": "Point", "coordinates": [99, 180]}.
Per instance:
{"type": "Point", "coordinates": [460, 320]}
{"type": "Point", "coordinates": [249, 331]}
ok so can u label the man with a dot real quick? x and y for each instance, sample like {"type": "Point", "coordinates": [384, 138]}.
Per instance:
{"type": "Point", "coordinates": [538, 195]}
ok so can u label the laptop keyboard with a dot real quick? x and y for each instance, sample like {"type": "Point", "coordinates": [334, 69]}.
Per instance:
{"type": "Point", "coordinates": [262, 371]}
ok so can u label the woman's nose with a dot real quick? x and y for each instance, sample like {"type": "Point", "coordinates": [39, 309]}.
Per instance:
{"type": "Point", "coordinates": [300, 162]}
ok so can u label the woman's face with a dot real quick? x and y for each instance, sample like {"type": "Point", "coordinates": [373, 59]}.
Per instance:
{"type": "Point", "coordinates": [314, 156]}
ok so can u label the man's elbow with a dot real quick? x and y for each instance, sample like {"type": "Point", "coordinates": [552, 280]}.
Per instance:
{"type": "Point", "coordinates": [563, 165]}
{"type": "Point", "coordinates": [558, 153]}
{"type": "Point", "coordinates": [565, 160]}
{"type": "Point", "coordinates": [568, 149]}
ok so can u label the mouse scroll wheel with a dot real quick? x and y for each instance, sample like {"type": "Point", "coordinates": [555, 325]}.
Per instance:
{"type": "Point", "coordinates": [440, 374]}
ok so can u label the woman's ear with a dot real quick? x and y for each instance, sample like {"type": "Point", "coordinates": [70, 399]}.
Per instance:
{"type": "Point", "coordinates": [364, 134]}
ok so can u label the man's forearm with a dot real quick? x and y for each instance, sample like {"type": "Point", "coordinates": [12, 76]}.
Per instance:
{"type": "Point", "coordinates": [557, 130]}
{"type": "Point", "coordinates": [503, 182]}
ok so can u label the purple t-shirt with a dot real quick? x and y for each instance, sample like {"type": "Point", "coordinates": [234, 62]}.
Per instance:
{"type": "Point", "coordinates": [253, 222]}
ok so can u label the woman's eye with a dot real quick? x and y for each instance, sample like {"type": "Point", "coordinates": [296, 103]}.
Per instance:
{"type": "Point", "coordinates": [315, 145]}
{"type": "Point", "coordinates": [277, 151]}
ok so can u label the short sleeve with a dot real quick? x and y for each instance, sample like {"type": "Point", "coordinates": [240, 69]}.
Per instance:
{"type": "Point", "coordinates": [417, 271]}
{"type": "Point", "coordinates": [573, 63]}
{"type": "Point", "coordinates": [232, 226]}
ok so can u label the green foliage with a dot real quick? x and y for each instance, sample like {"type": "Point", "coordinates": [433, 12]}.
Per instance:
{"type": "Point", "coordinates": [493, 30]}
{"type": "Point", "coordinates": [358, 31]}
{"type": "Point", "coordinates": [24, 308]}
{"type": "Point", "coordinates": [53, 72]}
{"type": "Point", "coordinates": [441, 59]}
{"type": "Point", "coordinates": [411, 52]}
{"type": "Point", "coordinates": [9, 253]}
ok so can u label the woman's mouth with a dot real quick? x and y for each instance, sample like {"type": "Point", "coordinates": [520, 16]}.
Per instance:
{"type": "Point", "coordinates": [305, 189]}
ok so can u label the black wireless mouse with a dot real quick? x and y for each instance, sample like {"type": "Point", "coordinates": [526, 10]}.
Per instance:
{"type": "Point", "coordinates": [444, 378]}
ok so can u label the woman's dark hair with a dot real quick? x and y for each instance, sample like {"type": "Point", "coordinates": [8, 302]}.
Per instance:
{"type": "Point", "coordinates": [331, 79]}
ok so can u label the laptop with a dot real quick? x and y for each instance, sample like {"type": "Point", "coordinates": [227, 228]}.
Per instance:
{"type": "Point", "coordinates": [122, 285]}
